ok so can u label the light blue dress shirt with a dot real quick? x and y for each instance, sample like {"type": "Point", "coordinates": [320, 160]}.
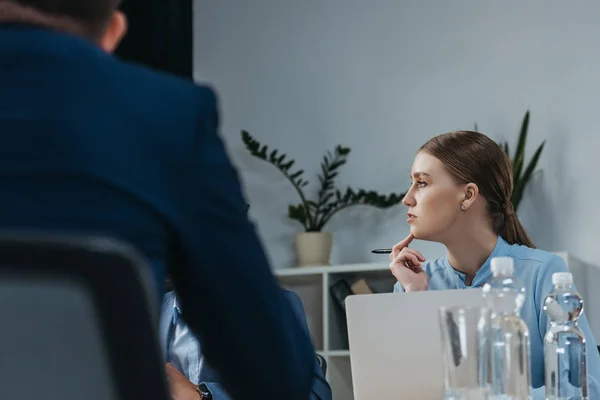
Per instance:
{"type": "Point", "coordinates": [181, 348]}
{"type": "Point", "coordinates": [534, 268]}
{"type": "Point", "coordinates": [183, 351]}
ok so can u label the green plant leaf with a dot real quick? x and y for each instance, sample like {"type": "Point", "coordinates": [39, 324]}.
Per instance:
{"type": "Point", "coordinates": [524, 181]}
{"type": "Point", "coordinates": [285, 167]}
{"type": "Point", "coordinates": [273, 156]}
{"type": "Point", "coordinates": [329, 171]}
{"type": "Point", "coordinates": [338, 195]}
{"type": "Point", "coordinates": [523, 134]}
{"type": "Point", "coordinates": [517, 166]}
{"type": "Point", "coordinates": [520, 151]}
{"type": "Point", "coordinates": [341, 150]}
{"type": "Point", "coordinates": [298, 213]}
{"type": "Point", "coordinates": [297, 174]}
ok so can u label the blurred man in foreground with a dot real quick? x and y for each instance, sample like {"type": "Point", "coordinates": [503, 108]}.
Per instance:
{"type": "Point", "coordinates": [92, 145]}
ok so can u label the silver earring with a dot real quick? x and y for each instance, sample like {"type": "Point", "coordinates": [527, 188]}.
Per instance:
{"type": "Point", "coordinates": [462, 207]}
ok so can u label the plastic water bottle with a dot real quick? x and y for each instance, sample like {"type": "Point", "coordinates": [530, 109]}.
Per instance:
{"type": "Point", "coordinates": [510, 376]}
{"type": "Point", "coordinates": [565, 344]}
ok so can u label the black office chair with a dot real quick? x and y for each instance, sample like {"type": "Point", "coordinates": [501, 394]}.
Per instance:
{"type": "Point", "coordinates": [322, 364]}
{"type": "Point", "coordinates": [78, 321]}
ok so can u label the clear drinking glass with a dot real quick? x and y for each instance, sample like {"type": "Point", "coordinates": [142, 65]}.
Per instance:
{"type": "Point", "coordinates": [465, 334]}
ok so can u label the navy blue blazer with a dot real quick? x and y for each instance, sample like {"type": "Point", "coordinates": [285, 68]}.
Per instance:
{"type": "Point", "coordinates": [91, 144]}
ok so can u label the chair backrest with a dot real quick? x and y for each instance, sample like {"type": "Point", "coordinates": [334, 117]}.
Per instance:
{"type": "Point", "coordinates": [78, 321]}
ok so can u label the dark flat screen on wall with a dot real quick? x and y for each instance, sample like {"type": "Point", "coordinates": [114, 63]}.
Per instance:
{"type": "Point", "coordinates": [160, 35]}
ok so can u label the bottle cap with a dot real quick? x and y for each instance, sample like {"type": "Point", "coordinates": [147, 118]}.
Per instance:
{"type": "Point", "coordinates": [503, 266]}
{"type": "Point", "coordinates": [565, 278]}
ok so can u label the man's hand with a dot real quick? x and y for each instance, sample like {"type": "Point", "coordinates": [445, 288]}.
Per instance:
{"type": "Point", "coordinates": [180, 386]}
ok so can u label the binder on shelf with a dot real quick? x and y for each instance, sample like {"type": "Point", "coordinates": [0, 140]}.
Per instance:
{"type": "Point", "coordinates": [361, 287]}
{"type": "Point", "coordinates": [342, 289]}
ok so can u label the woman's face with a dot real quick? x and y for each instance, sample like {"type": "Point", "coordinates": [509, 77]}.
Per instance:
{"type": "Point", "coordinates": [433, 200]}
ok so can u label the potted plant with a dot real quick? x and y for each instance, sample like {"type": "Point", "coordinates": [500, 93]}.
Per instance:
{"type": "Point", "coordinates": [313, 246]}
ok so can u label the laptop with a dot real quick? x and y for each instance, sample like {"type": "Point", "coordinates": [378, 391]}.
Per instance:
{"type": "Point", "coordinates": [395, 344]}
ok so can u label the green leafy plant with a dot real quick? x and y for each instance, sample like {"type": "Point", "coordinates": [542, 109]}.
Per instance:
{"type": "Point", "coordinates": [314, 214]}
{"type": "Point", "coordinates": [521, 174]}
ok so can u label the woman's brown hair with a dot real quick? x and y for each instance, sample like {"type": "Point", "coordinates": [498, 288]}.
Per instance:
{"type": "Point", "coordinates": [472, 157]}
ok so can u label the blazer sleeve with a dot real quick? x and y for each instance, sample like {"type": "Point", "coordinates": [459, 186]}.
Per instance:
{"type": "Point", "coordinates": [229, 297]}
{"type": "Point", "coordinates": [320, 388]}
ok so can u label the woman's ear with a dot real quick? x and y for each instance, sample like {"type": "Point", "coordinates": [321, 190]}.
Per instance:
{"type": "Point", "coordinates": [470, 195]}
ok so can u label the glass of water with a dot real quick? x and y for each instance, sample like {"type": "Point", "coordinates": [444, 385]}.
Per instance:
{"type": "Point", "coordinates": [465, 334]}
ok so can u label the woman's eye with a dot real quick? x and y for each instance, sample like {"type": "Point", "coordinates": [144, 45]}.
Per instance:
{"type": "Point", "coordinates": [421, 184]}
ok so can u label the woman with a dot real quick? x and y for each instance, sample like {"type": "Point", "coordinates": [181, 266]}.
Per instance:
{"type": "Point", "coordinates": [460, 197]}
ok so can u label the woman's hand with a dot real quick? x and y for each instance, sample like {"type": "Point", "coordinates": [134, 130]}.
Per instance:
{"type": "Point", "coordinates": [406, 266]}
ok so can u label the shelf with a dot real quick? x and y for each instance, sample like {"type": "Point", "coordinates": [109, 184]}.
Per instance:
{"type": "Point", "coordinates": [325, 319]}
{"type": "Point", "coordinates": [330, 269]}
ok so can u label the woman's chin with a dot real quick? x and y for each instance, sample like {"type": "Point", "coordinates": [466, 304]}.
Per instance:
{"type": "Point", "coordinates": [415, 232]}
{"type": "Point", "coordinates": [418, 234]}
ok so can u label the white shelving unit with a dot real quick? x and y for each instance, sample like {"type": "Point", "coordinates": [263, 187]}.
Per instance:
{"type": "Point", "coordinates": [327, 323]}
{"type": "Point", "coordinates": [326, 320]}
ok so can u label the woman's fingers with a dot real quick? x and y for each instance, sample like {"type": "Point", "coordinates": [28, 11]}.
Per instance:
{"type": "Point", "coordinates": [409, 257]}
{"type": "Point", "coordinates": [400, 246]}
{"type": "Point", "coordinates": [406, 241]}
{"type": "Point", "coordinates": [406, 268]}
{"type": "Point", "coordinates": [416, 253]}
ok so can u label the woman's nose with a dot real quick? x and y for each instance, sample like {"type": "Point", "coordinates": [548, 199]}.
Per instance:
{"type": "Point", "coordinates": [408, 199]}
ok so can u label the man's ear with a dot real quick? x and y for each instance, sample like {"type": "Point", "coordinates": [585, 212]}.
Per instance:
{"type": "Point", "coordinates": [114, 32]}
{"type": "Point", "coordinates": [470, 195]}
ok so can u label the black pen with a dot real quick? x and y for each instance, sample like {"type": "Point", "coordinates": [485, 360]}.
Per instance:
{"type": "Point", "coordinates": [381, 251]}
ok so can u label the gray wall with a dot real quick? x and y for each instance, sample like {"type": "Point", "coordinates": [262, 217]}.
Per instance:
{"type": "Point", "coordinates": [383, 76]}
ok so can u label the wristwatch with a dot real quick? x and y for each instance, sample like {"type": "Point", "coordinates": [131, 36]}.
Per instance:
{"type": "Point", "coordinates": [205, 394]}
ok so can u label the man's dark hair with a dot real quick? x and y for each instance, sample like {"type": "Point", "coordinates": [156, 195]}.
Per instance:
{"type": "Point", "coordinates": [91, 15]}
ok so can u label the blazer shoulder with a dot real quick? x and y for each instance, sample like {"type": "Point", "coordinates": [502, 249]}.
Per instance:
{"type": "Point", "coordinates": [163, 86]}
